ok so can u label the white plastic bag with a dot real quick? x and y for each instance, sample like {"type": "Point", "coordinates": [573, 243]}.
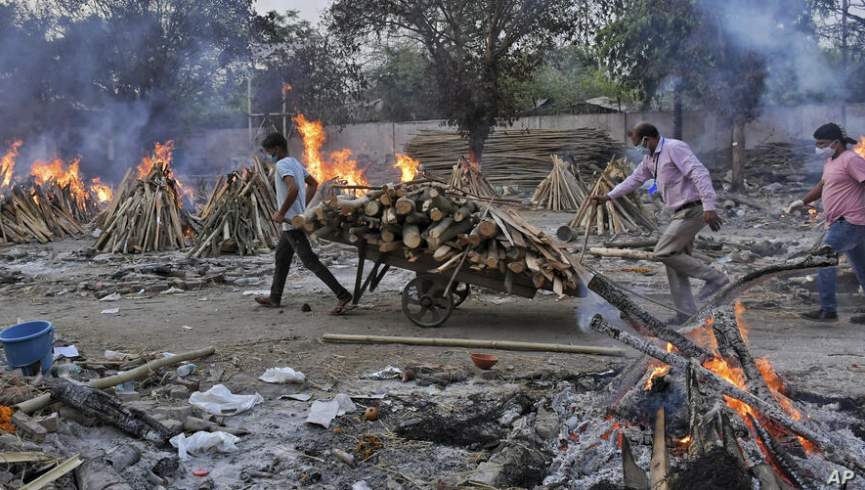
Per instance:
{"type": "Point", "coordinates": [282, 375]}
{"type": "Point", "coordinates": [201, 442]}
{"type": "Point", "coordinates": [323, 412]}
{"type": "Point", "coordinates": [220, 401]}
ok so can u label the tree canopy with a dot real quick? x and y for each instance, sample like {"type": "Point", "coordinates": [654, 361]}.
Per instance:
{"type": "Point", "coordinates": [473, 47]}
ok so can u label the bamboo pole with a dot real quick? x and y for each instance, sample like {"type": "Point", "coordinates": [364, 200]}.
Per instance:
{"type": "Point", "coordinates": [472, 344]}
{"type": "Point", "coordinates": [44, 400]}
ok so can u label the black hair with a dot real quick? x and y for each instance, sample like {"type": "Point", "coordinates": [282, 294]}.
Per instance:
{"type": "Point", "coordinates": [646, 130]}
{"type": "Point", "coordinates": [274, 140]}
{"type": "Point", "coordinates": [832, 131]}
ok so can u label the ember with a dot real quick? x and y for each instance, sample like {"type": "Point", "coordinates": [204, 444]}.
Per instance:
{"type": "Point", "coordinates": [339, 164]}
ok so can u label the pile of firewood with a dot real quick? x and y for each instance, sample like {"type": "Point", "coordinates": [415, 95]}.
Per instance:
{"type": "Point", "coordinates": [519, 157]}
{"type": "Point", "coordinates": [146, 216]}
{"type": "Point", "coordinates": [237, 216]}
{"type": "Point", "coordinates": [456, 229]}
{"type": "Point", "coordinates": [467, 177]}
{"type": "Point", "coordinates": [737, 408]}
{"type": "Point", "coordinates": [561, 190]}
{"type": "Point", "coordinates": [616, 216]}
{"type": "Point", "coordinates": [30, 213]}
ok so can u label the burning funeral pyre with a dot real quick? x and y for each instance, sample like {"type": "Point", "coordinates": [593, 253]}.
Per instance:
{"type": "Point", "coordinates": [715, 413]}
{"type": "Point", "coordinates": [237, 216]}
{"type": "Point", "coordinates": [53, 203]}
{"type": "Point", "coordinates": [147, 215]}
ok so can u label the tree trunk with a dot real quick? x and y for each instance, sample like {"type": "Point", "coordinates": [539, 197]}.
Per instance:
{"type": "Point", "coordinates": [678, 109]}
{"type": "Point", "coordinates": [738, 150]}
{"type": "Point", "coordinates": [477, 137]}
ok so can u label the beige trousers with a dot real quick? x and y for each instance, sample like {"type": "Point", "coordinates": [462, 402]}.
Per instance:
{"type": "Point", "coordinates": [674, 250]}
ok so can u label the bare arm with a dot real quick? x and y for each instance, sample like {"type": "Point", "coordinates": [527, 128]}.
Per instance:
{"type": "Point", "coordinates": [814, 194]}
{"type": "Point", "coordinates": [311, 188]}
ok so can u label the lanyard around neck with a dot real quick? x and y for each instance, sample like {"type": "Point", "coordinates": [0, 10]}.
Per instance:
{"type": "Point", "coordinates": [656, 157]}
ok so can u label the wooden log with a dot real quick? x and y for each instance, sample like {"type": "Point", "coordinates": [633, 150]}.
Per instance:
{"type": "Point", "coordinates": [517, 266]}
{"type": "Point", "coordinates": [373, 208]}
{"type": "Point", "coordinates": [722, 386]}
{"type": "Point", "coordinates": [443, 252]}
{"type": "Point", "coordinates": [411, 236]}
{"type": "Point", "coordinates": [660, 464]}
{"type": "Point", "coordinates": [488, 229]}
{"type": "Point", "coordinates": [471, 343]}
{"type": "Point", "coordinates": [98, 404]}
{"type": "Point", "coordinates": [622, 300]}
{"type": "Point", "coordinates": [385, 247]}
{"type": "Point", "coordinates": [405, 206]}
{"type": "Point", "coordinates": [449, 233]}
{"type": "Point", "coordinates": [42, 401]}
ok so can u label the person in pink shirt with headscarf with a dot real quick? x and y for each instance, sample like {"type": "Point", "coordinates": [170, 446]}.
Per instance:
{"type": "Point", "coordinates": [686, 188]}
{"type": "Point", "coordinates": [842, 190]}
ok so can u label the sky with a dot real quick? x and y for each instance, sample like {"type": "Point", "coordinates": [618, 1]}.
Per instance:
{"type": "Point", "coordinates": [308, 9]}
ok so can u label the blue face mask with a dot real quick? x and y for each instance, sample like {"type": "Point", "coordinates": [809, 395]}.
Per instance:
{"type": "Point", "coordinates": [273, 158]}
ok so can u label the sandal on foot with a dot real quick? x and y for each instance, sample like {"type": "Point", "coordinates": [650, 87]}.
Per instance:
{"type": "Point", "coordinates": [267, 302]}
{"type": "Point", "coordinates": [342, 306]}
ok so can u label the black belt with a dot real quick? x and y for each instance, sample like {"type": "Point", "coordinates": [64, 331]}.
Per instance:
{"type": "Point", "coordinates": [688, 205]}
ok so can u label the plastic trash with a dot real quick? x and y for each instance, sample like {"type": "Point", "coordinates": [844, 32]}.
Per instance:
{"type": "Point", "coordinates": [219, 400]}
{"type": "Point", "coordinates": [111, 297]}
{"type": "Point", "coordinates": [69, 351]}
{"type": "Point", "coordinates": [202, 441]}
{"type": "Point", "coordinates": [67, 370]}
{"type": "Point", "coordinates": [390, 372]}
{"type": "Point", "coordinates": [111, 311]}
{"type": "Point", "coordinates": [361, 485]}
{"type": "Point", "coordinates": [113, 355]}
{"type": "Point", "coordinates": [282, 375]}
{"type": "Point", "coordinates": [345, 404]}
{"type": "Point", "coordinates": [323, 412]}
{"type": "Point", "coordinates": [127, 387]}
{"type": "Point", "coordinates": [186, 369]}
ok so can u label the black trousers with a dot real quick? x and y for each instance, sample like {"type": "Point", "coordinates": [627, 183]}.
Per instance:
{"type": "Point", "coordinates": [296, 241]}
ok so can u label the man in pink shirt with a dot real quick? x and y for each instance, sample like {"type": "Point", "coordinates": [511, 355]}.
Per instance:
{"type": "Point", "coordinates": [842, 190]}
{"type": "Point", "coordinates": [686, 188]}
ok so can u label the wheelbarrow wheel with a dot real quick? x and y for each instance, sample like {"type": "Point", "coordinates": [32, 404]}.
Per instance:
{"type": "Point", "coordinates": [424, 302]}
{"type": "Point", "coordinates": [460, 292]}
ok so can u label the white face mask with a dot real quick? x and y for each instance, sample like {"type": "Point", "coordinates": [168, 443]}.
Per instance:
{"type": "Point", "coordinates": [824, 152]}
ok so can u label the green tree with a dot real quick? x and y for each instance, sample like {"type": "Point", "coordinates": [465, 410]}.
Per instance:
{"type": "Point", "coordinates": [324, 75]}
{"type": "Point", "coordinates": [404, 82]}
{"type": "Point", "coordinates": [474, 46]}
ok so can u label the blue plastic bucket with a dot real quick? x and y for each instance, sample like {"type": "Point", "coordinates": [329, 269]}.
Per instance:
{"type": "Point", "coordinates": [28, 343]}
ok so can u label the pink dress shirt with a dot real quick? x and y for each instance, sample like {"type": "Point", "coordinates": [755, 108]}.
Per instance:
{"type": "Point", "coordinates": [680, 176]}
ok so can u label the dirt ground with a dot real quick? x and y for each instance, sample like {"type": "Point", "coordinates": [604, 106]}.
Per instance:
{"type": "Point", "coordinates": [824, 359]}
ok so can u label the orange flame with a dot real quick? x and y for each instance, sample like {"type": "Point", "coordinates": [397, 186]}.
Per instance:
{"type": "Point", "coordinates": [860, 147]}
{"type": "Point", "coordinates": [161, 158]}
{"type": "Point", "coordinates": [657, 372]}
{"type": "Point", "coordinates": [340, 164]}
{"type": "Point", "coordinates": [102, 191]}
{"type": "Point", "coordinates": [54, 171]}
{"type": "Point", "coordinates": [740, 322]}
{"type": "Point", "coordinates": [407, 166]}
{"type": "Point", "coordinates": [7, 163]}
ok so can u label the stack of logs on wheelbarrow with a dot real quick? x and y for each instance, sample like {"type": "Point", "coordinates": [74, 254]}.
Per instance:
{"type": "Point", "coordinates": [456, 229]}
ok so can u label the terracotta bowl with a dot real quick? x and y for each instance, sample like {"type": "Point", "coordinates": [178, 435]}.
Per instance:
{"type": "Point", "coordinates": [484, 361]}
